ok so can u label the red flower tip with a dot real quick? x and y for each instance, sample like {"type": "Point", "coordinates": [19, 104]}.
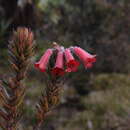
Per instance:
{"type": "Point", "coordinates": [88, 65]}
{"type": "Point", "coordinates": [92, 59]}
{"type": "Point", "coordinates": [58, 70]}
{"type": "Point", "coordinates": [72, 64]}
{"type": "Point", "coordinates": [42, 64]}
{"type": "Point", "coordinates": [36, 65]}
{"type": "Point", "coordinates": [85, 57]}
{"type": "Point", "coordinates": [42, 69]}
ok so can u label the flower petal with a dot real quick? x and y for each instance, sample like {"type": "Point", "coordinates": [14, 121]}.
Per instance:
{"type": "Point", "coordinates": [72, 64]}
{"type": "Point", "coordinates": [58, 70]}
{"type": "Point", "coordinates": [42, 64]}
{"type": "Point", "coordinates": [85, 57]}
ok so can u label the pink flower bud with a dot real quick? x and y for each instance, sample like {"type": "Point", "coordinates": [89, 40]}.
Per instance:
{"type": "Point", "coordinates": [58, 70]}
{"type": "Point", "coordinates": [85, 57]}
{"type": "Point", "coordinates": [72, 64]}
{"type": "Point", "coordinates": [24, 37]}
{"type": "Point", "coordinates": [42, 64]}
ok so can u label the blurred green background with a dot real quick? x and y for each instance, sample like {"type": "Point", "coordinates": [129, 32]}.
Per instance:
{"type": "Point", "coordinates": [95, 99]}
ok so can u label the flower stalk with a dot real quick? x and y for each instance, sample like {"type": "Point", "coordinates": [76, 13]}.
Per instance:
{"type": "Point", "coordinates": [12, 90]}
{"type": "Point", "coordinates": [49, 99]}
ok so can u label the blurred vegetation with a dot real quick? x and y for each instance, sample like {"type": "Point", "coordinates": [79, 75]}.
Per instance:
{"type": "Point", "coordinates": [96, 99]}
{"type": "Point", "coordinates": [106, 107]}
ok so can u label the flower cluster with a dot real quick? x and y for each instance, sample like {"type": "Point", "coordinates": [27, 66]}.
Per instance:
{"type": "Point", "coordinates": [65, 61]}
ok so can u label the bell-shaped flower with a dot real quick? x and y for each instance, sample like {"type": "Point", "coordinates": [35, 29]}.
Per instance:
{"type": "Point", "coordinates": [85, 57]}
{"type": "Point", "coordinates": [71, 63]}
{"type": "Point", "coordinates": [58, 69]}
{"type": "Point", "coordinates": [42, 64]}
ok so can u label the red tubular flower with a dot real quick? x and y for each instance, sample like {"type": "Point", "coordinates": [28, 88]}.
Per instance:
{"type": "Point", "coordinates": [72, 64]}
{"type": "Point", "coordinates": [58, 70]}
{"type": "Point", "coordinates": [87, 58]}
{"type": "Point", "coordinates": [42, 64]}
